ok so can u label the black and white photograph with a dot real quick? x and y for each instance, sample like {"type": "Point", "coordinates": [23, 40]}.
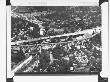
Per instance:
{"type": "Point", "coordinates": [56, 39]}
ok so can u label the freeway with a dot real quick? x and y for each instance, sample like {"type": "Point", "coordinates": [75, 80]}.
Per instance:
{"type": "Point", "coordinates": [81, 35]}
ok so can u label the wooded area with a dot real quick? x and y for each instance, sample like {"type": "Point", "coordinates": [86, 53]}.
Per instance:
{"type": "Point", "coordinates": [59, 39]}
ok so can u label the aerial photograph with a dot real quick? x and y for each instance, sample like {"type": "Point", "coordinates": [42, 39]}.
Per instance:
{"type": "Point", "coordinates": [56, 39]}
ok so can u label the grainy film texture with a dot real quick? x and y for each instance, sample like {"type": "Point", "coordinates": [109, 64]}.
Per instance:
{"type": "Point", "coordinates": [56, 39]}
